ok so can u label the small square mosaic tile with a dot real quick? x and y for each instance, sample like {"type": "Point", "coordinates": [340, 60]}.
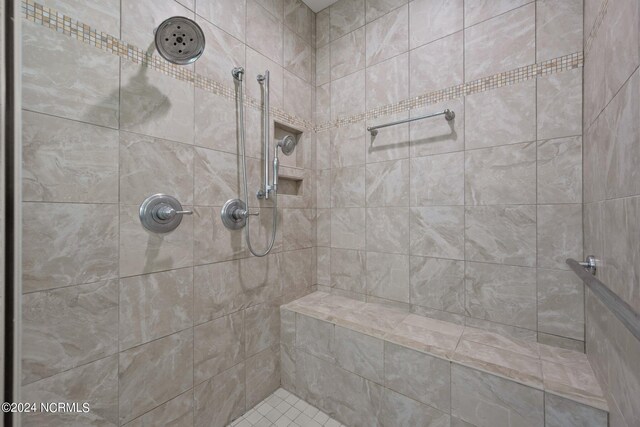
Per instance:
{"type": "Point", "coordinates": [284, 409]}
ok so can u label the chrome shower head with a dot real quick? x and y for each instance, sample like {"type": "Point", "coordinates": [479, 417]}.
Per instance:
{"type": "Point", "coordinates": [287, 145]}
{"type": "Point", "coordinates": [179, 40]}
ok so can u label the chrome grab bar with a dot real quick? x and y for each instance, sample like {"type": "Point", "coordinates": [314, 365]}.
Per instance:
{"type": "Point", "coordinates": [448, 114]}
{"type": "Point", "coordinates": [623, 311]}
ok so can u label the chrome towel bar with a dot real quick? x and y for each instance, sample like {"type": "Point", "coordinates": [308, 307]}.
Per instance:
{"type": "Point", "coordinates": [448, 114]}
{"type": "Point", "coordinates": [623, 311]}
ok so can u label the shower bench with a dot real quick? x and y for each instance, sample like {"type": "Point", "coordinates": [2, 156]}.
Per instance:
{"type": "Point", "coordinates": [369, 365]}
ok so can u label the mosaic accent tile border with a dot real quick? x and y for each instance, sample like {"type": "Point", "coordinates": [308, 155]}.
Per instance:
{"type": "Point", "coordinates": [75, 29]}
{"type": "Point", "coordinates": [59, 22]}
{"type": "Point", "coordinates": [596, 26]}
{"type": "Point", "coordinates": [507, 78]}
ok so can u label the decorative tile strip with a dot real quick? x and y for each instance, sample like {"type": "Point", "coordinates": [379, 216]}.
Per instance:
{"type": "Point", "coordinates": [507, 78]}
{"type": "Point", "coordinates": [75, 29]}
{"type": "Point", "coordinates": [596, 26]}
{"type": "Point", "coordinates": [54, 20]}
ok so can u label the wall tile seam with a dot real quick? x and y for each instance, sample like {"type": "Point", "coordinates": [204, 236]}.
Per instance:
{"type": "Point", "coordinates": [54, 20]}
{"type": "Point", "coordinates": [593, 32]}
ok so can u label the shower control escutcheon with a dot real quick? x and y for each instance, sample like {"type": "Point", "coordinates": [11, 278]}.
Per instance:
{"type": "Point", "coordinates": [161, 213]}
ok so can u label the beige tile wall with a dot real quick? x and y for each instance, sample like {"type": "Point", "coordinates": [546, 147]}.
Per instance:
{"type": "Point", "coordinates": [612, 193]}
{"type": "Point", "coordinates": [472, 220]}
{"type": "Point", "coordinates": [181, 328]}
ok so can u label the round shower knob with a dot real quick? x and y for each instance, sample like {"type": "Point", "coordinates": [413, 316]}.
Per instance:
{"type": "Point", "coordinates": [161, 213]}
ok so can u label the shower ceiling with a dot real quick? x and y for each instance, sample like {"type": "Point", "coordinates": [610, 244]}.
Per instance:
{"type": "Point", "coordinates": [318, 5]}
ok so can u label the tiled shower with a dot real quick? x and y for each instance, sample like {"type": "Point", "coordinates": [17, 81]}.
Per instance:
{"type": "Point", "coordinates": [418, 275]}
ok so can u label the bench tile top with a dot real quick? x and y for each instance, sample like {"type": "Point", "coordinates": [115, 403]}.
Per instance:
{"type": "Point", "coordinates": [562, 372]}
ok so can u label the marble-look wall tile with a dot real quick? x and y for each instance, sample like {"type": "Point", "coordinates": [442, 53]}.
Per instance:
{"type": "Point", "coordinates": [500, 328]}
{"type": "Point", "coordinates": [560, 170]}
{"type": "Point", "coordinates": [622, 148]}
{"type": "Point", "coordinates": [216, 178]}
{"type": "Point", "coordinates": [559, 235]}
{"type": "Point", "coordinates": [561, 412]}
{"type": "Point", "coordinates": [155, 305]}
{"type": "Point", "coordinates": [141, 17]}
{"type": "Point", "coordinates": [437, 283]}
{"type": "Point", "coordinates": [213, 242]}
{"type": "Point", "coordinates": [505, 42]}
{"type": "Point", "coordinates": [391, 144]}
{"type": "Point", "coordinates": [348, 228]}
{"type": "Point", "coordinates": [220, 399]}
{"type": "Point", "coordinates": [68, 161]}
{"type": "Point", "coordinates": [360, 354]}
{"type": "Point", "coordinates": [559, 104]}
{"type": "Point", "coordinates": [297, 97]}
{"type": "Point", "coordinates": [437, 65]}
{"type": "Point", "coordinates": [300, 18]}
{"type": "Point", "coordinates": [216, 126]}
{"type": "Point", "coordinates": [437, 231]}
{"type": "Point", "coordinates": [398, 409]}
{"type": "Point", "coordinates": [257, 63]}
{"type": "Point", "coordinates": [263, 375]}
{"type": "Point", "coordinates": [430, 20]}
{"type": "Point", "coordinates": [485, 125]}
{"type": "Point", "coordinates": [323, 227]}
{"type": "Point", "coordinates": [388, 36]}
{"type": "Point", "coordinates": [418, 375]}
{"type": "Point", "coordinates": [501, 293]}
{"type": "Point", "coordinates": [155, 104]}
{"type": "Point", "coordinates": [296, 271]}
{"type": "Point", "coordinates": [315, 337]}
{"type": "Point", "coordinates": [68, 327]}
{"type": "Point", "coordinates": [227, 287]}
{"type": "Point", "coordinates": [383, 238]}
{"type": "Point", "coordinates": [374, 9]}
{"type": "Point", "coordinates": [387, 183]}
{"type": "Point", "coordinates": [323, 77]}
{"type": "Point", "coordinates": [438, 180]}
{"type": "Point", "coordinates": [558, 28]}
{"type": "Point", "coordinates": [224, 52]}
{"type": "Point", "coordinates": [501, 175]}
{"type": "Point", "coordinates": [261, 327]}
{"type": "Point", "coordinates": [141, 157]}
{"type": "Point", "coordinates": [99, 14]}
{"type": "Point", "coordinates": [489, 401]}
{"type": "Point", "coordinates": [561, 304]}
{"type": "Point", "coordinates": [218, 345]}
{"type": "Point", "coordinates": [142, 251]}
{"type": "Point", "coordinates": [154, 373]}
{"type": "Point", "coordinates": [476, 11]}
{"type": "Point", "coordinates": [49, 260]}
{"type": "Point", "coordinates": [347, 145]}
{"type": "Point", "coordinates": [348, 96]}
{"type": "Point", "coordinates": [348, 187]}
{"type": "Point", "coordinates": [346, 16]}
{"type": "Point", "coordinates": [323, 27]}
{"type": "Point", "coordinates": [68, 78]}
{"type": "Point", "coordinates": [348, 270]}
{"type": "Point", "coordinates": [502, 234]}
{"type": "Point", "coordinates": [323, 189]}
{"type": "Point", "coordinates": [95, 383]}
{"type": "Point", "coordinates": [561, 342]}
{"type": "Point", "coordinates": [177, 412]}
{"type": "Point", "coordinates": [621, 259]}
{"type": "Point", "coordinates": [323, 147]}
{"type": "Point", "coordinates": [323, 266]}
{"type": "Point", "coordinates": [228, 15]}
{"type": "Point", "coordinates": [298, 228]}
{"type": "Point", "coordinates": [347, 54]}
{"type": "Point", "coordinates": [388, 81]}
{"type": "Point", "coordinates": [438, 136]}
{"type": "Point", "coordinates": [388, 276]}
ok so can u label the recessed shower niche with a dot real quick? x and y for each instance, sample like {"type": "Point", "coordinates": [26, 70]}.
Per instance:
{"type": "Point", "coordinates": [291, 175]}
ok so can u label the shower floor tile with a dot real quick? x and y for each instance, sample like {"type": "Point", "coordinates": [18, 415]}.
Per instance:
{"type": "Point", "coordinates": [283, 409]}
